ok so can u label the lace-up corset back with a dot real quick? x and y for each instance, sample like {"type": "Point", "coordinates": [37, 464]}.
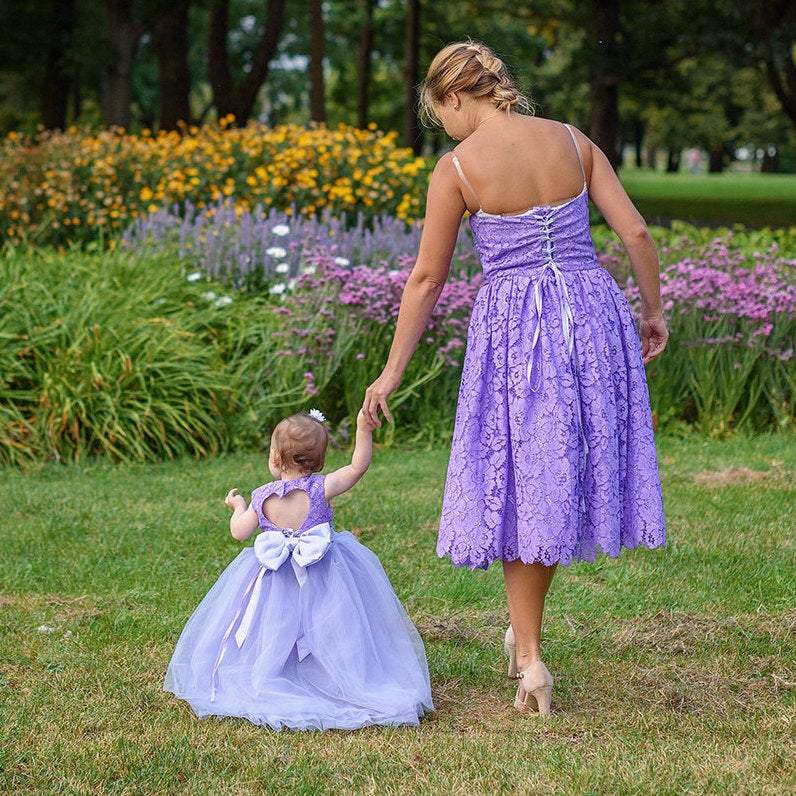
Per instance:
{"type": "Point", "coordinates": [526, 241]}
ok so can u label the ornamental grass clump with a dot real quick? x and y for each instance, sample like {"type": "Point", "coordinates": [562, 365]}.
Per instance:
{"type": "Point", "coordinates": [111, 357]}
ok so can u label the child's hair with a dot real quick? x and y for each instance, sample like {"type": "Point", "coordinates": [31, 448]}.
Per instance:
{"type": "Point", "coordinates": [472, 67]}
{"type": "Point", "coordinates": [299, 443]}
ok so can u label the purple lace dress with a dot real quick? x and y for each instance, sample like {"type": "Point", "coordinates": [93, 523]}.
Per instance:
{"type": "Point", "coordinates": [302, 630]}
{"type": "Point", "coordinates": [553, 455]}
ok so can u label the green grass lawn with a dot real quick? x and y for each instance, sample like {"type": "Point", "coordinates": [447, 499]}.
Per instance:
{"type": "Point", "coordinates": [674, 667]}
{"type": "Point", "coordinates": [757, 200]}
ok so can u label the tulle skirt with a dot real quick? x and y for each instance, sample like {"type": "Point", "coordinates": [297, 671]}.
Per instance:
{"type": "Point", "coordinates": [338, 652]}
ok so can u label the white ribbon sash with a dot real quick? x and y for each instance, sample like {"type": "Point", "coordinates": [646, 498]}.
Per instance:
{"type": "Point", "coordinates": [568, 332]}
{"type": "Point", "coordinates": [272, 549]}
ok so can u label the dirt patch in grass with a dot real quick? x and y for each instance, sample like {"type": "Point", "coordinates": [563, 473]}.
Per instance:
{"type": "Point", "coordinates": [482, 627]}
{"type": "Point", "coordinates": [668, 632]}
{"type": "Point", "coordinates": [58, 608]}
{"type": "Point", "coordinates": [732, 476]}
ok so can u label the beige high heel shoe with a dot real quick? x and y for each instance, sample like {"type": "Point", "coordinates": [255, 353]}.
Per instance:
{"type": "Point", "coordinates": [535, 685]}
{"type": "Point", "coordinates": [510, 649]}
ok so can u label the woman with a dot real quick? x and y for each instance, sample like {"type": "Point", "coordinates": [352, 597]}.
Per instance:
{"type": "Point", "coordinates": [553, 457]}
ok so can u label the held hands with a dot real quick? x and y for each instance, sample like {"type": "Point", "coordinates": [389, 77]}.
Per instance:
{"type": "Point", "coordinates": [376, 398]}
{"type": "Point", "coordinates": [654, 334]}
{"type": "Point", "coordinates": [235, 501]}
{"type": "Point", "coordinates": [364, 422]}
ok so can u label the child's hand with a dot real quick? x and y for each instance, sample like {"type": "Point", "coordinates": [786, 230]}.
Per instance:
{"type": "Point", "coordinates": [235, 501]}
{"type": "Point", "coordinates": [364, 421]}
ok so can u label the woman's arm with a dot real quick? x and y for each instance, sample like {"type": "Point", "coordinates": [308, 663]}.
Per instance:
{"type": "Point", "coordinates": [444, 209]}
{"type": "Point", "coordinates": [619, 211]}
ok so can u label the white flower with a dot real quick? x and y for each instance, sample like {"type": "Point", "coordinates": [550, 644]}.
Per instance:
{"type": "Point", "coordinates": [282, 268]}
{"type": "Point", "coordinates": [275, 251]}
{"type": "Point", "coordinates": [341, 261]}
{"type": "Point", "coordinates": [393, 272]}
{"type": "Point", "coordinates": [209, 295]}
{"type": "Point", "coordinates": [308, 269]}
{"type": "Point", "coordinates": [278, 288]}
{"type": "Point", "coordinates": [194, 277]}
{"type": "Point", "coordinates": [281, 230]}
{"type": "Point", "coordinates": [317, 414]}
{"type": "Point", "coordinates": [292, 283]}
{"type": "Point", "coordinates": [45, 629]}
{"type": "Point", "coordinates": [223, 301]}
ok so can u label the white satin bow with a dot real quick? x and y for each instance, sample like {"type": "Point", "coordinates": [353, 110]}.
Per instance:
{"type": "Point", "coordinates": [272, 549]}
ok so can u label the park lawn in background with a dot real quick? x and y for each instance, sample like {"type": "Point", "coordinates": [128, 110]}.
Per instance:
{"type": "Point", "coordinates": [673, 667]}
{"type": "Point", "coordinates": [756, 200]}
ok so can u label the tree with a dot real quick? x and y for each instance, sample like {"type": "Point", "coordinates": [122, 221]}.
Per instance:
{"type": "Point", "coordinates": [364, 63]}
{"type": "Point", "coordinates": [171, 48]}
{"type": "Point", "coordinates": [606, 75]}
{"type": "Point", "coordinates": [60, 24]}
{"type": "Point", "coordinates": [125, 35]}
{"type": "Point", "coordinates": [317, 38]}
{"type": "Point", "coordinates": [411, 127]}
{"type": "Point", "coordinates": [238, 97]}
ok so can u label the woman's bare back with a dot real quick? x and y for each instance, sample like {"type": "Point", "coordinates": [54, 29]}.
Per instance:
{"type": "Point", "coordinates": [529, 162]}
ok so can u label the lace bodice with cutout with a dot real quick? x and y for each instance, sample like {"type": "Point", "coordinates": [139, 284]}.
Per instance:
{"type": "Point", "coordinates": [319, 508]}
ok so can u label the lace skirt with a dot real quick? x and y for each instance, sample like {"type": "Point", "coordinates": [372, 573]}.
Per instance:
{"type": "Point", "coordinates": [559, 466]}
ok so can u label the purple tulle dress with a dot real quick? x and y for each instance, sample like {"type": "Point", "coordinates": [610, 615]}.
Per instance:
{"type": "Point", "coordinates": [553, 455]}
{"type": "Point", "coordinates": [302, 630]}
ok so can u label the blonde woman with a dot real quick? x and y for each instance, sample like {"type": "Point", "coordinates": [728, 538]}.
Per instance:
{"type": "Point", "coordinates": [553, 457]}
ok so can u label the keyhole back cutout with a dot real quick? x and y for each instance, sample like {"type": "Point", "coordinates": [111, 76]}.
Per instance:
{"type": "Point", "coordinates": [290, 511]}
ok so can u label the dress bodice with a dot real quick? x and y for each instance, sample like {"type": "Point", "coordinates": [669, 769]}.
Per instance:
{"type": "Point", "coordinates": [523, 243]}
{"type": "Point", "coordinates": [319, 508]}
{"type": "Point", "coordinates": [551, 238]}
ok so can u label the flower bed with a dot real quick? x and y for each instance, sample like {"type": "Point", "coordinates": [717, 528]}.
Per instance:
{"type": "Point", "coordinates": [79, 185]}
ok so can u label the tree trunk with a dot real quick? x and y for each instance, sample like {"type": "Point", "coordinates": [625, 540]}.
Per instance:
{"type": "Point", "coordinates": [171, 48]}
{"type": "Point", "coordinates": [411, 131]}
{"type": "Point", "coordinates": [673, 161]}
{"type": "Point", "coordinates": [239, 98]}
{"type": "Point", "coordinates": [652, 157]}
{"type": "Point", "coordinates": [57, 76]}
{"type": "Point", "coordinates": [364, 64]}
{"type": "Point", "coordinates": [317, 89]}
{"type": "Point", "coordinates": [716, 160]}
{"type": "Point", "coordinates": [638, 142]}
{"type": "Point", "coordinates": [783, 81]}
{"type": "Point", "coordinates": [605, 77]}
{"type": "Point", "coordinates": [125, 36]}
{"type": "Point", "coordinates": [770, 162]}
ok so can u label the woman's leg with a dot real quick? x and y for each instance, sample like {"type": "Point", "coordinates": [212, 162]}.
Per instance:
{"type": "Point", "coordinates": [526, 589]}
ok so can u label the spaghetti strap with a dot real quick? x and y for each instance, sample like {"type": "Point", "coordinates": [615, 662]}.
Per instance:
{"type": "Point", "coordinates": [577, 150]}
{"type": "Point", "coordinates": [458, 167]}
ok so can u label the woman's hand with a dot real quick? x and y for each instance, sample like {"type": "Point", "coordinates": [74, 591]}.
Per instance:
{"type": "Point", "coordinates": [376, 397]}
{"type": "Point", "coordinates": [654, 334]}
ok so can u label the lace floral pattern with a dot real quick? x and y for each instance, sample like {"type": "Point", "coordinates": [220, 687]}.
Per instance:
{"type": "Point", "coordinates": [562, 467]}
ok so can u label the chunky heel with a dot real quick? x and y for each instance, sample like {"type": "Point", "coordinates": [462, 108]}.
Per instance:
{"type": "Point", "coordinates": [536, 682]}
{"type": "Point", "coordinates": [543, 696]}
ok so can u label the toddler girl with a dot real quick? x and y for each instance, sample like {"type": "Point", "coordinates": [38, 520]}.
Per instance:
{"type": "Point", "coordinates": [303, 629]}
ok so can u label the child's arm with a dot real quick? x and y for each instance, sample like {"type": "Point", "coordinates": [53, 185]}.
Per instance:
{"type": "Point", "coordinates": [243, 521]}
{"type": "Point", "coordinates": [342, 480]}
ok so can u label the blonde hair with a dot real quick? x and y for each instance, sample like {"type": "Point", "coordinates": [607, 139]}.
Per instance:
{"type": "Point", "coordinates": [472, 67]}
{"type": "Point", "coordinates": [299, 443]}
